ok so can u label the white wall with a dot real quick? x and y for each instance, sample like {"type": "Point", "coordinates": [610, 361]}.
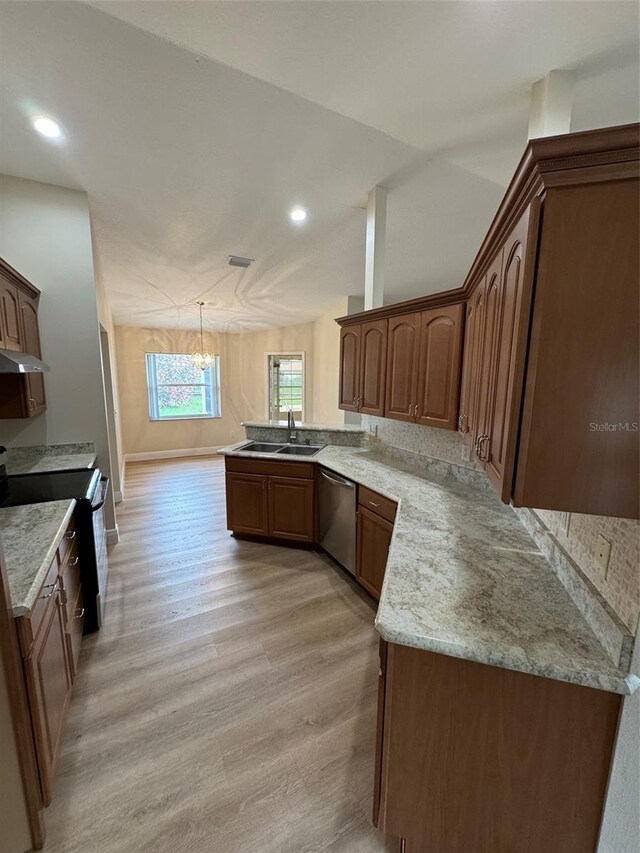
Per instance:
{"type": "Point", "coordinates": [45, 235]}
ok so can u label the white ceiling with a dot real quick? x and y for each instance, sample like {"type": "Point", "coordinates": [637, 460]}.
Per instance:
{"type": "Point", "coordinates": [197, 128]}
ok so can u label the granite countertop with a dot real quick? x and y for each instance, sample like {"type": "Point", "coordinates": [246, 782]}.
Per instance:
{"type": "Point", "coordinates": [465, 579]}
{"type": "Point", "coordinates": [305, 426]}
{"type": "Point", "coordinates": [30, 537]}
{"type": "Point", "coordinates": [44, 464]}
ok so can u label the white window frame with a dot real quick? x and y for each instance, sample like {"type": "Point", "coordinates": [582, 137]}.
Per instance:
{"type": "Point", "coordinates": [152, 390]}
{"type": "Point", "coordinates": [291, 352]}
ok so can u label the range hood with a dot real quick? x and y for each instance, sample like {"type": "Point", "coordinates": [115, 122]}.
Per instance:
{"type": "Point", "coordinates": [20, 362]}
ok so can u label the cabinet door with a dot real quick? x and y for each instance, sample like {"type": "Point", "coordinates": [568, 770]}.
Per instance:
{"type": "Point", "coordinates": [508, 360]}
{"type": "Point", "coordinates": [34, 382]}
{"type": "Point", "coordinates": [291, 509]}
{"type": "Point", "coordinates": [466, 381]}
{"type": "Point", "coordinates": [439, 366]}
{"type": "Point", "coordinates": [377, 776]}
{"type": "Point", "coordinates": [49, 687]}
{"type": "Point", "coordinates": [349, 368]}
{"type": "Point", "coordinates": [247, 503]}
{"type": "Point", "coordinates": [402, 362]}
{"type": "Point", "coordinates": [374, 539]}
{"type": "Point", "coordinates": [487, 354]}
{"type": "Point", "coordinates": [73, 628]}
{"type": "Point", "coordinates": [470, 390]}
{"type": "Point", "coordinates": [373, 363]}
{"type": "Point", "coordinates": [10, 316]}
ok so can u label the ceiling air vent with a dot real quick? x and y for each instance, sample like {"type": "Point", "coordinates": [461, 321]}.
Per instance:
{"type": "Point", "coordinates": [237, 261]}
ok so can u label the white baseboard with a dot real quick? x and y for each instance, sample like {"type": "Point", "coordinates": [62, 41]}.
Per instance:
{"type": "Point", "coordinates": [172, 454]}
{"type": "Point", "coordinates": [113, 535]}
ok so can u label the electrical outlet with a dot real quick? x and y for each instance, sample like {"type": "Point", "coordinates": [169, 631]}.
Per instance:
{"type": "Point", "coordinates": [465, 453]}
{"type": "Point", "coordinates": [603, 553]}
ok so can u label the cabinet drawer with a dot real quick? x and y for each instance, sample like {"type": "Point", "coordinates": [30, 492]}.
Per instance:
{"type": "Point", "coordinates": [28, 625]}
{"type": "Point", "coordinates": [377, 503]}
{"type": "Point", "coordinates": [68, 540]}
{"type": "Point", "coordinates": [266, 466]}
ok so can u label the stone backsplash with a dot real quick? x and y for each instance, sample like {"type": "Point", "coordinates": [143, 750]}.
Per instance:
{"type": "Point", "coordinates": [575, 534]}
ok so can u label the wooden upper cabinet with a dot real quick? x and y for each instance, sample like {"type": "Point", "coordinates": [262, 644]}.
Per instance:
{"type": "Point", "coordinates": [470, 384]}
{"type": "Point", "coordinates": [439, 366]}
{"type": "Point", "coordinates": [579, 442]}
{"type": "Point", "coordinates": [10, 315]}
{"type": "Point", "coordinates": [291, 509]}
{"type": "Point", "coordinates": [373, 362]}
{"type": "Point", "coordinates": [349, 368]}
{"type": "Point", "coordinates": [34, 382]}
{"type": "Point", "coordinates": [502, 414]}
{"type": "Point", "coordinates": [402, 360]}
{"type": "Point", "coordinates": [486, 355]}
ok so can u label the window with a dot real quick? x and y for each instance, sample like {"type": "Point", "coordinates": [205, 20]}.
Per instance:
{"type": "Point", "coordinates": [286, 385]}
{"type": "Point", "coordinates": [179, 389]}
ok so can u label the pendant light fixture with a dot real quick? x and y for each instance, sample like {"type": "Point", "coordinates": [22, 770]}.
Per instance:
{"type": "Point", "coordinates": [201, 359]}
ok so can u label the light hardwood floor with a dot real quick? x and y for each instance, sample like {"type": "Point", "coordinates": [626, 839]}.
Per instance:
{"type": "Point", "coordinates": [228, 704]}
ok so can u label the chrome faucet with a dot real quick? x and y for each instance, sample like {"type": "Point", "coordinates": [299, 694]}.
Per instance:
{"type": "Point", "coordinates": [292, 427]}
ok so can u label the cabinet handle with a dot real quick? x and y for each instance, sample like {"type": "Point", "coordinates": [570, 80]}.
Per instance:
{"type": "Point", "coordinates": [75, 563]}
{"type": "Point", "coordinates": [462, 420]}
{"type": "Point", "coordinates": [354, 402]}
{"type": "Point", "coordinates": [373, 504]}
{"type": "Point", "coordinates": [410, 409]}
{"type": "Point", "coordinates": [359, 399]}
{"type": "Point", "coordinates": [63, 596]}
{"type": "Point", "coordinates": [71, 534]}
{"type": "Point", "coordinates": [416, 410]}
{"type": "Point", "coordinates": [481, 442]}
{"type": "Point", "coordinates": [79, 613]}
{"type": "Point", "coordinates": [48, 586]}
{"type": "Point", "coordinates": [32, 404]}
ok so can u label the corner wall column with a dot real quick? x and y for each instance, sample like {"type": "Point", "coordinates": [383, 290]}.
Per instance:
{"type": "Point", "coordinates": [375, 248]}
{"type": "Point", "coordinates": [551, 105]}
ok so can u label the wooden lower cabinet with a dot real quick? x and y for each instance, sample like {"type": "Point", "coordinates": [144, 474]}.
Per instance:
{"type": "Point", "coordinates": [49, 689]}
{"type": "Point", "coordinates": [291, 509]}
{"type": "Point", "coordinates": [247, 503]}
{"type": "Point", "coordinates": [261, 501]}
{"type": "Point", "coordinates": [372, 549]}
{"type": "Point", "coordinates": [478, 758]}
{"type": "Point", "coordinates": [50, 637]}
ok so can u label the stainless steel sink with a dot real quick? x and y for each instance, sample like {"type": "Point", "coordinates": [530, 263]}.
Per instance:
{"type": "Point", "coordinates": [261, 447]}
{"type": "Point", "coordinates": [300, 449]}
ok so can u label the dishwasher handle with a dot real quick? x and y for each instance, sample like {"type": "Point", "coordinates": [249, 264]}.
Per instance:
{"type": "Point", "coordinates": [338, 481]}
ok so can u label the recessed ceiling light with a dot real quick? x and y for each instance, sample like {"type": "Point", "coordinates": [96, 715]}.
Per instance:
{"type": "Point", "coordinates": [298, 214]}
{"type": "Point", "coordinates": [48, 127]}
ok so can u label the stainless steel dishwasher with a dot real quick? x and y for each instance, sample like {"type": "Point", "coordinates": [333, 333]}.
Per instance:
{"type": "Point", "coordinates": [337, 502]}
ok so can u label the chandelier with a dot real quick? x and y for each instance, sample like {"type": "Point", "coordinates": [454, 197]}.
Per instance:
{"type": "Point", "coordinates": [201, 359]}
